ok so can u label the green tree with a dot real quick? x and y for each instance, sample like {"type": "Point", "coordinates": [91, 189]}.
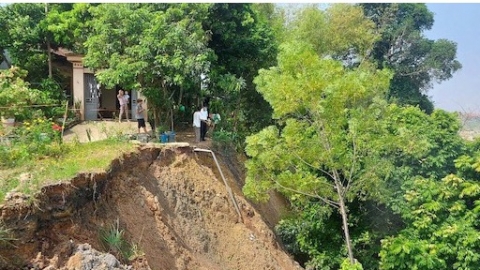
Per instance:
{"type": "Point", "coordinates": [431, 154]}
{"type": "Point", "coordinates": [24, 39]}
{"type": "Point", "coordinates": [159, 50]}
{"type": "Point", "coordinates": [16, 95]}
{"type": "Point", "coordinates": [342, 31]}
{"type": "Point", "coordinates": [441, 226]}
{"type": "Point", "coordinates": [68, 25]}
{"type": "Point", "coordinates": [416, 60]}
{"type": "Point", "coordinates": [25, 36]}
{"type": "Point", "coordinates": [324, 148]}
{"type": "Point", "coordinates": [333, 140]}
{"type": "Point", "coordinates": [243, 41]}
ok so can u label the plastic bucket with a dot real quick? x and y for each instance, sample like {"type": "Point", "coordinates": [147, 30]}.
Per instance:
{"type": "Point", "coordinates": [163, 138]}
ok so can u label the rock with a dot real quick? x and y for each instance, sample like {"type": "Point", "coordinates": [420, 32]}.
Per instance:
{"type": "Point", "coordinates": [110, 260]}
{"type": "Point", "coordinates": [86, 257]}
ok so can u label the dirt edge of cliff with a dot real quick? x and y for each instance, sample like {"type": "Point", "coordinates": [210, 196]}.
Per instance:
{"type": "Point", "coordinates": [171, 204]}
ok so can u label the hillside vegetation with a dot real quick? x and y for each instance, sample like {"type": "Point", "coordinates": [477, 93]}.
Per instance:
{"type": "Point", "coordinates": [327, 106]}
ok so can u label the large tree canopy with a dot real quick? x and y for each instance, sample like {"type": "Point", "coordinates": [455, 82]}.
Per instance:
{"type": "Point", "coordinates": [243, 42]}
{"type": "Point", "coordinates": [23, 37]}
{"type": "Point", "coordinates": [159, 50]}
{"type": "Point", "coordinates": [333, 136]}
{"type": "Point", "coordinates": [416, 60]}
{"type": "Point", "coordinates": [338, 144]}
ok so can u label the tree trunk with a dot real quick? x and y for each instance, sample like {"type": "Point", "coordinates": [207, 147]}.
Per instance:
{"type": "Point", "coordinates": [49, 53]}
{"type": "Point", "coordinates": [344, 214]}
{"type": "Point", "coordinates": [171, 120]}
{"type": "Point", "coordinates": [180, 97]}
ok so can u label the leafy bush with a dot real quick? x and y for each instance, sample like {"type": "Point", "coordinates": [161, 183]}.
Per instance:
{"type": "Point", "coordinates": [227, 141]}
{"type": "Point", "coordinates": [34, 139]}
{"type": "Point", "coordinates": [16, 96]}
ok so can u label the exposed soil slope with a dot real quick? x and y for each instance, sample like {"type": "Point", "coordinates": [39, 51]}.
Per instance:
{"type": "Point", "coordinates": [170, 202]}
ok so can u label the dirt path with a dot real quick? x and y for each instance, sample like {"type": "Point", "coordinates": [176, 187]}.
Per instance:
{"type": "Point", "coordinates": [99, 130]}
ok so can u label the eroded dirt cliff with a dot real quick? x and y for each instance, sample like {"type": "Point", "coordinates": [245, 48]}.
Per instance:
{"type": "Point", "coordinates": [170, 203]}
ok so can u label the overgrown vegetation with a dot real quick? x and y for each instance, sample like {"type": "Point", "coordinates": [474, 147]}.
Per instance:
{"type": "Point", "coordinates": [332, 102]}
{"type": "Point", "coordinates": [340, 148]}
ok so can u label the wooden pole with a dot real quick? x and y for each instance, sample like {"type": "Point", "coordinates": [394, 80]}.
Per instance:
{"type": "Point", "coordinates": [64, 118]}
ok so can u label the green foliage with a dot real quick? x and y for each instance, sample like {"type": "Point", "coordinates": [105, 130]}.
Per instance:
{"type": "Point", "coordinates": [333, 136]}
{"type": "Point", "coordinates": [114, 241]}
{"type": "Point", "coordinates": [436, 147]}
{"type": "Point", "coordinates": [159, 50]}
{"type": "Point", "coordinates": [53, 90]}
{"type": "Point", "coordinates": [68, 24]}
{"type": "Point", "coordinates": [442, 226]}
{"type": "Point", "coordinates": [347, 265]}
{"type": "Point", "coordinates": [227, 142]}
{"type": "Point", "coordinates": [339, 31]}
{"type": "Point", "coordinates": [416, 60]}
{"type": "Point", "coordinates": [313, 234]}
{"type": "Point", "coordinates": [37, 139]}
{"type": "Point", "coordinates": [338, 141]}
{"type": "Point", "coordinates": [24, 38]}
{"type": "Point", "coordinates": [69, 159]}
{"type": "Point", "coordinates": [16, 96]}
{"type": "Point", "coordinates": [243, 41]}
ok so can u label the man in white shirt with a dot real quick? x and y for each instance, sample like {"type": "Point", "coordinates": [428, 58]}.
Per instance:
{"type": "Point", "coordinates": [197, 124]}
{"type": "Point", "coordinates": [203, 122]}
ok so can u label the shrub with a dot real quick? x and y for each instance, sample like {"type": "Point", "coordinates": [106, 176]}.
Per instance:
{"type": "Point", "coordinates": [38, 138]}
{"type": "Point", "coordinates": [226, 141]}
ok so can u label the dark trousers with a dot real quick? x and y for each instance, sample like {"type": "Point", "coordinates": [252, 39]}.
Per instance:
{"type": "Point", "coordinates": [203, 130]}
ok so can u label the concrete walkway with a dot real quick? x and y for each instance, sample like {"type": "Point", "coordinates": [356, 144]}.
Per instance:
{"type": "Point", "coordinates": [99, 130]}
{"type": "Point", "coordinates": [102, 129]}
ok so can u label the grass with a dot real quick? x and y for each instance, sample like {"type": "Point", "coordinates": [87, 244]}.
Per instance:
{"type": "Point", "coordinates": [112, 238]}
{"type": "Point", "coordinates": [113, 241]}
{"type": "Point", "coordinates": [5, 238]}
{"type": "Point", "coordinates": [88, 157]}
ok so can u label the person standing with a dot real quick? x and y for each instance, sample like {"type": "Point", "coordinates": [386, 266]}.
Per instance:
{"type": "Point", "coordinates": [203, 122]}
{"type": "Point", "coordinates": [123, 105]}
{"type": "Point", "coordinates": [140, 115]}
{"type": "Point", "coordinates": [197, 124]}
{"type": "Point", "coordinates": [127, 97]}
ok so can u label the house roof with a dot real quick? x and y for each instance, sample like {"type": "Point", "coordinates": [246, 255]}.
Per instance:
{"type": "Point", "coordinates": [70, 55]}
{"type": "Point", "coordinates": [63, 52]}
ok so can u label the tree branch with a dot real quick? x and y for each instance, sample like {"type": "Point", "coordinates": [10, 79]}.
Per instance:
{"type": "Point", "coordinates": [325, 200]}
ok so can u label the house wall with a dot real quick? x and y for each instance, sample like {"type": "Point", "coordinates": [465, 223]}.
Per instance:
{"type": "Point", "coordinates": [78, 84]}
{"type": "Point", "coordinates": [108, 98]}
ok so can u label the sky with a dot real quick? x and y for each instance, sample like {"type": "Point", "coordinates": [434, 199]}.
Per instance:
{"type": "Point", "coordinates": [459, 23]}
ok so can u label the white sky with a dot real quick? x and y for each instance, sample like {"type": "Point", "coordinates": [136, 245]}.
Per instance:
{"type": "Point", "coordinates": [459, 23]}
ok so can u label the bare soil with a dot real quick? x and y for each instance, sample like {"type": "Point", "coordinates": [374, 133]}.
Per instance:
{"type": "Point", "coordinates": [170, 202]}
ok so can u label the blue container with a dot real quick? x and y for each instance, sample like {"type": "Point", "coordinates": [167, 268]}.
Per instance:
{"type": "Point", "coordinates": [163, 138]}
{"type": "Point", "coordinates": [171, 136]}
